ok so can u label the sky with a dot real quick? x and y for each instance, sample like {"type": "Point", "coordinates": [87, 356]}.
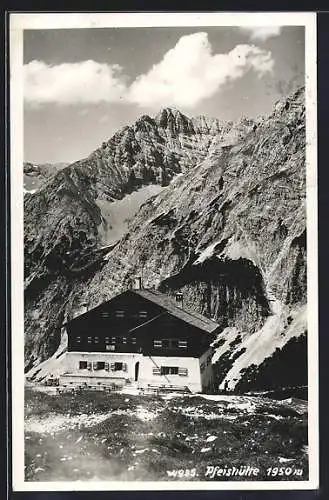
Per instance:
{"type": "Point", "coordinates": [82, 85]}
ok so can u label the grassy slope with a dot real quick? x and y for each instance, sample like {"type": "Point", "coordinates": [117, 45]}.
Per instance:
{"type": "Point", "coordinates": [100, 436]}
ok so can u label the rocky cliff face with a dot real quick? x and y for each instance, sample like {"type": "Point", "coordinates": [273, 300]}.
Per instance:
{"type": "Point", "coordinates": [229, 232]}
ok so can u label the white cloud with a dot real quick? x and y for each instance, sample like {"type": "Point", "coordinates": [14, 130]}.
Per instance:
{"type": "Point", "coordinates": [261, 33]}
{"type": "Point", "coordinates": [86, 82]}
{"type": "Point", "coordinates": [189, 72]}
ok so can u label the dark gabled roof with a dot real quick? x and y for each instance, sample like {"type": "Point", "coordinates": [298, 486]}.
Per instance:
{"type": "Point", "coordinates": [195, 319]}
{"type": "Point", "coordinates": [165, 302]}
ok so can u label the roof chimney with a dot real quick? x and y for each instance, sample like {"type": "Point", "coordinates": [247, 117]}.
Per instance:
{"type": "Point", "coordinates": [179, 299]}
{"type": "Point", "coordinates": [138, 283]}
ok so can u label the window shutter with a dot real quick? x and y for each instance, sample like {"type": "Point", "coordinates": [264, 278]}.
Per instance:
{"type": "Point", "coordinates": [107, 366]}
{"type": "Point", "coordinates": [156, 370]}
{"type": "Point", "coordinates": [112, 366]}
{"type": "Point", "coordinates": [89, 365]}
{"type": "Point", "coordinates": [182, 371]}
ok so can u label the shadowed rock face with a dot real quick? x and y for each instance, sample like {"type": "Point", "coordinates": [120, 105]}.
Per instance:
{"type": "Point", "coordinates": [229, 231]}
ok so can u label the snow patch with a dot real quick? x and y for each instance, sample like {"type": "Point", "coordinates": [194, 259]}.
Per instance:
{"type": "Point", "coordinates": [207, 253]}
{"type": "Point", "coordinates": [172, 395]}
{"type": "Point", "coordinates": [52, 366]}
{"type": "Point", "coordinates": [228, 334]}
{"type": "Point", "coordinates": [137, 452]}
{"type": "Point", "coordinates": [129, 390]}
{"type": "Point", "coordinates": [116, 214]}
{"type": "Point", "coordinates": [265, 341]}
{"type": "Point", "coordinates": [237, 249]}
{"type": "Point", "coordinates": [145, 414]}
{"type": "Point", "coordinates": [276, 417]}
{"type": "Point", "coordinates": [57, 423]}
{"type": "Point", "coordinates": [248, 406]}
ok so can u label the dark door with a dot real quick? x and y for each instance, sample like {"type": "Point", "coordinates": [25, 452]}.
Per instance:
{"type": "Point", "coordinates": [136, 371]}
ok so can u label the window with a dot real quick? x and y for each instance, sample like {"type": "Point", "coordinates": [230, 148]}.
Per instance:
{"type": "Point", "coordinates": [99, 365]}
{"type": "Point", "coordinates": [113, 340]}
{"type": "Point", "coordinates": [105, 314]}
{"type": "Point", "coordinates": [78, 340]}
{"type": "Point", "coordinates": [89, 340]}
{"type": "Point", "coordinates": [170, 343]}
{"type": "Point", "coordinates": [83, 365]}
{"type": "Point", "coordinates": [96, 340]}
{"type": "Point", "coordinates": [143, 314]}
{"type": "Point", "coordinates": [133, 340]}
{"type": "Point", "coordinates": [124, 340]}
{"type": "Point", "coordinates": [118, 366]}
{"type": "Point", "coordinates": [169, 370]}
{"type": "Point", "coordinates": [183, 372]}
{"type": "Point", "coordinates": [107, 340]}
{"type": "Point", "coordinates": [120, 314]}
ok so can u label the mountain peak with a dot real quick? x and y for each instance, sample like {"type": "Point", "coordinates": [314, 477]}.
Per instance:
{"type": "Point", "coordinates": [174, 120]}
{"type": "Point", "coordinates": [168, 111]}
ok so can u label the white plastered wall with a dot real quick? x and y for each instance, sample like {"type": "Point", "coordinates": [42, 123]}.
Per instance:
{"type": "Point", "coordinates": [72, 360]}
{"type": "Point", "coordinates": [192, 379]}
{"type": "Point", "coordinates": [195, 380]}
